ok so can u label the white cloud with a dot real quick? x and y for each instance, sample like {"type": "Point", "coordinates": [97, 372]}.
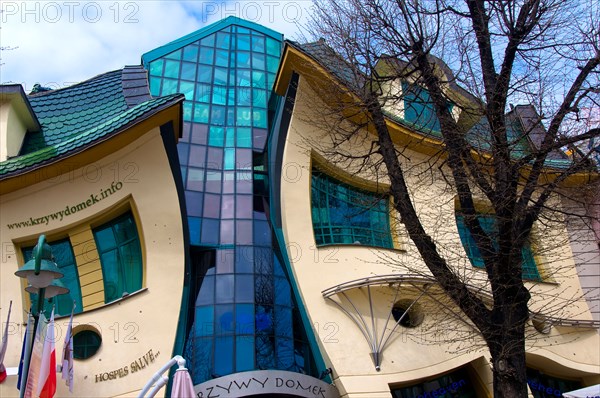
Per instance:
{"type": "Point", "coordinates": [63, 42]}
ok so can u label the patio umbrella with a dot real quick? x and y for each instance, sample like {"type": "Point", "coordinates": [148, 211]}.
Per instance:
{"type": "Point", "coordinates": [182, 385]}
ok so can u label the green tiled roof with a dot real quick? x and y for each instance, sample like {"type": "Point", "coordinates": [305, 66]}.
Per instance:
{"type": "Point", "coordinates": [76, 116]}
{"type": "Point", "coordinates": [68, 112]}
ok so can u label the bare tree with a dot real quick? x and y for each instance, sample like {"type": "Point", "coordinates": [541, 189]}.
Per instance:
{"type": "Point", "coordinates": [545, 53]}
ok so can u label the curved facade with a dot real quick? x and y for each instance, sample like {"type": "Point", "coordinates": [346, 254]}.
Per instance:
{"type": "Point", "coordinates": [241, 313]}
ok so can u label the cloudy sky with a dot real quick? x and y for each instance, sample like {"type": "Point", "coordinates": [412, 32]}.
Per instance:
{"type": "Point", "coordinates": [58, 43]}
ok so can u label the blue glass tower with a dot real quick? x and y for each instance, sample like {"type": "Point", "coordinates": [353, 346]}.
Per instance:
{"type": "Point", "coordinates": [241, 313]}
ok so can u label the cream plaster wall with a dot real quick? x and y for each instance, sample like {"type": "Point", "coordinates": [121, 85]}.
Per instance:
{"type": "Point", "coordinates": [132, 326]}
{"type": "Point", "coordinates": [12, 130]}
{"type": "Point", "coordinates": [436, 346]}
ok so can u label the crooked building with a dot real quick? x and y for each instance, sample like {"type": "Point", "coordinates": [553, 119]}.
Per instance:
{"type": "Point", "coordinates": [194, 209]}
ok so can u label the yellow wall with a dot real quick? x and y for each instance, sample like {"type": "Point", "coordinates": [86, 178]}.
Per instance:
{"type": "Point", "coordinates": [442, 342]}
{"type": "Point", "coordinates": [143, 324]}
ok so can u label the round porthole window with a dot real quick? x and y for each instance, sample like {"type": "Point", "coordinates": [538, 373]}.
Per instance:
{"type": "Point", "coordinates": [86, 342]}
{"type": "Point", "coordinates": [408, 318]}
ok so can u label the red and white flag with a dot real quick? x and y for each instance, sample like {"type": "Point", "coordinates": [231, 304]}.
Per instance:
{"type": "Point", "coordinates": [4, 346]}
{"type": "Point", "coordinates": [35, 362]}
{"type": "Point", "coordinates": [67, 357]}
{"type": "Point", "coordinates": [46, 387]}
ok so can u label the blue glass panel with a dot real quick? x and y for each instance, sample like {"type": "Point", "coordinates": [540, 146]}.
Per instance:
{"type": "Point", "coordinates": [244, 259]}
{"type": "Point", "coordinates": [188, 71]}
{"type": "Point", "coordinates": [259, 79]}
{"type": "Point", "coordinates": [204, 74]}
{"type": "Point", "coordinates": [201, 112]}
{"type": "Point", "coordinates": [223, 355]}
{"type": "Point", "coordinates": [207, 293]}
{"type": "Point", "coordinates": [243, 232]}
{"type": "Point", "coordinates": [187, 112]}
{"type": "Point", "coordinates": [225, 288]}
{"type": "Point", "coordinates": [231, 96]}
{"type": "Point", "coordinates": [105, 239]}
{"type": "Point", "coordinates": [197, 155]}
{"type": "Point", "coordinates": [264, 319]}
{"type": "Point", "coordinates": [259, 118]}
{"type": "Point", "coordinates": [223, 40]}
{"type": "Point", "coordinates": [285, 353]}
{"type": "Point", "coordinates": [227, 232]}
{"type": "Point", "coordinates": [208, 40]}
{"type": "Point", "coordinates": [195, 179]}
{"type": "Point", "coordinates": [283, 294]}
{"type": "Point", "coordinates": [262, 233]}
{"type": "Point", "coordinates": [263, 261]}
{"type": "Point", "coordinates": [207, 55]}
{"type": "Point", "coordinates": [244, 288]}
{"type": "Point", "coordinates": [229, 161]}
{"type": "Point", "coordinates": [224, 261]}
{"type": "Point", "coordinates": [216, 136]}
{"type": "Point", "coordinates": [273, 47]}
{"type": "Point", "coordinates": [227, 206]}
{"type": "Point", "coordinates": [194, 228]}
{"type": "Point", "coordinates": [243, 116]}
{"type": "Point", "coordinates": [244, 353]}
{"type": "Point", "coordinates": [169, 86]}
{"type": "Point", "coordinates": [156, 67]}
{"type": "Point", "coordinates": [211, 207]}
{"type": "Point", "coordinates": [190, 53]}
{"type": "Point", "coordinates": [243, 42]}
{"type": "Point", "coordinates": [243, 206]}
{"type": "Point", "coordinates": [155, 86]}
{"type": "Point", "coordinates": [272, 64]}
{"type": "Point", "coordinates": [222, 58]}
{"type": "Point", "coordinates": [243, 78]}
{"type": "Point", "coordinates": [203, 92]}
{"type": "Point", "coordinates": [230, 137]}
{"type": "Point", "coordinates": [243, 59]}
{"type": "Point", "coordinates": [199, 353]}
{"type": "Point", "coordinates": [224, 317]}
{"type": "Point", "coordinates": [204, 321]}
{"type": "Point", "coordinates": [213, 181]}
{"type": "Point", "coordinates": [187, 89]}
{"type": "Point", "coordinates": [265, 352]}
{"type": "Point", "coordinates": [174, 55]}
{"type": "Point", "coordinates": [210, 230]}
{"type": "Point", "coordinates": [244, 318]}
{"type": "Point", "coordinates": [219, 95]}
{"type": "Point", "coordinates": [244, 96]}
{"type": "Point", "coordinates": [171, 69]}
{"type": "Point", "coordinates": [258, 61]}
{"type": "Point", "coordinates": [244, 137]}
{"type": "Point", "coordinates": [220, 76]}
{"type": "Point", "coordinates": [215, 158]}
{"type": "Point", "coordinates": [228, 182]}
{"type": "Point", "coordinates": [199, 134]}
{"type": "Point", "coordinates": [217, 115]}
{"type": "Point", "coordinates": [194, 201]}
{"type": "Point", "coordinates": [258, 43]}
{"type": "Point", "coordinates": [259, 98]}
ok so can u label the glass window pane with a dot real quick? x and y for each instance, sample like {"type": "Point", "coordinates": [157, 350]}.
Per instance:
{"type": "Point", "coordinates": [193, 201]}
{"type": "Point", "coordinates": [223, 40]}
{"type": "Point", "coordinates": [223, 355]}
{"type": "Point", "coordinates": [156, 67]}
{"type": "Point", "coordinates": [211, 207]}
{"type": "Point", "coordinates": [244, 353]}
{"type": "Point", "coordinates": [190, 53]}
{"type": "Point", "coordinates": [197, 155]}
{"type": "Point", "coordinates": [195, 179]}
{"type": "Point", "coordinates": [243, 59]}
{"type": "Point", "coordinates": [210, 229]}
{"type": "Point", "coordinates": [204, 74]}
{"type": "Point", "coordinates": [243, 116]}
{"type": "Point", "coordinates": [244, 137]}
{"type": "Point", "coordinates": [244, 288]}
{"type": "Point", "coordinates": [207, 55]}
{"type": "Point", "coordinates": [204, 321]}
{"type": "Point", "coordinates": [201, 112]}
{"type": "Point", "coordinates": [188, 71]}
{"type": "Point", "coordinates": [225, 288]}
{"type": "Point", "coordinates": [174, 55]}
{"type": "Point", "coordinates": [216, 136]}
{"type": "Point", "coordinates": [208, 41]}
{"type": "Point", "coordinates": [243, 233]}
{"type": "Point", "coordinates": [258, 43]}
{"type": "Point", "coordinates": [244, 318]}
{"type": "Point", "coordinates": [187, 89]}
{"type": "Point", "coordinates": [243, 42]}
{"type": "Point", "coordinates": [171, 69]}
{"type": "Point", "coordinates": [169, 86]}
{"type": "Point", "coordinates": [273, 47]}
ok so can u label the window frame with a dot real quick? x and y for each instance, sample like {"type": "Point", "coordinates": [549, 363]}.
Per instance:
{"type": "Point", "coordinates": [529, 262]}
{"type": "Point", "coordinates": [390, 239]}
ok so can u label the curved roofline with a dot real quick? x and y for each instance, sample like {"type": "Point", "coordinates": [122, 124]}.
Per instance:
{"type": "Point", "coordinates": [203, 32]}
